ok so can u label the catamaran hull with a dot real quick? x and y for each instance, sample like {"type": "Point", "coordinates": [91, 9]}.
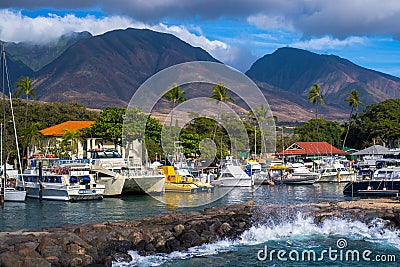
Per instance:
{"type": "Point", "coordinates": [334, 178]}
{"type": "Point", "coordinates": [113, 185]}
{"type": "Point", "coordinates": [152, 184]}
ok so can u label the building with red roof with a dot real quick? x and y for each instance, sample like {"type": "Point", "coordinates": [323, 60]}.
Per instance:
{"type": "Point", "coordinates": [57, 132]}
{"type": "Point", "coordinates": [307, 149]}
{"type": "Point", "coordinates": [59, 129]}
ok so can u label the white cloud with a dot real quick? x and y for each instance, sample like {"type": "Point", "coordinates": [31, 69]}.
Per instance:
{"type": "Point", "coordinates": [266, 22]}
{"type": "Point", "coordinates": [15, 27]}
{"type": "Point", "coordinates": [235, 55]}
{"type": "Point", "coordinates": [193, 39]}
{"type": "Point", "coordinates": [327, 42]}
{"type": "Point", "coordinates": [339, 18]}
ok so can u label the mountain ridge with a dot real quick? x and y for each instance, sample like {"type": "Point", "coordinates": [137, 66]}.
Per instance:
{"type": "Point", "coordinates": [296, 70]}
{"type": "Point", "coordinates": [105, 70]}
{"type": "Point", "coordinates": [113, 66]}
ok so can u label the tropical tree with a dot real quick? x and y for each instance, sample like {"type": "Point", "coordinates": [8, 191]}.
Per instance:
{"type": "Point", "coordinates": [220, 94]}
{"type": "Point", "coordinates": [108, 125]}
{"type": "Point", "coordinates": [353, 99]}
{"type": "Point", "coordinates": [31, 137]}
{"type": "Point", "coordinates": [74, 136]}
{"type": "Point", "coordinates": [330, 131]}
{"type": "Point", "coordinates": [175, 95]}
{"type": "Point", "coordinates": [315, 97]}
{"type": "Point", "coordinates": [25, 87]}
{"type": "Point", "coordinates": [377, 124]}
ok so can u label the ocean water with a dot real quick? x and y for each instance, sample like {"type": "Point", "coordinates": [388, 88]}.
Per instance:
{"type": "Point", "coordinates": [290, 240]}
{"type": "Point", "coordinates": [301, 242]}
{"type": "Point", "coordinates": [34, 213]}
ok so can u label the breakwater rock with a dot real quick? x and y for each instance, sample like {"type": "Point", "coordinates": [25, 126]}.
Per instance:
{"type": "Point", "coordinates": [98, 244]}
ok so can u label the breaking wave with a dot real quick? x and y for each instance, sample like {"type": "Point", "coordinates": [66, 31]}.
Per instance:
{"type": "Point", "coordinates": [295, 232]}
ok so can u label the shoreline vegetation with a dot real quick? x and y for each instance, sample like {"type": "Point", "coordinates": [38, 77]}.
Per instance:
{"type": "Point", "coordinates": [99, 244]}
{"type": "Point", "coordinates": [373, 125]}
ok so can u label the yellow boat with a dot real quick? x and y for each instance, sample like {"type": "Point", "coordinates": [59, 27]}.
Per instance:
{"type": "Point", "coordinates": [178, 183]}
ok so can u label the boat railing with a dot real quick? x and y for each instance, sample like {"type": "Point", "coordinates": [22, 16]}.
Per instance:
{"type": "Point", "coordinates": [142, 172]}
{"type": "Point", "coordinates": [109, 163]}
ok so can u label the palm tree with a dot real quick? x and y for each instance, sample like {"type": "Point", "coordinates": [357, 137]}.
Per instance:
{"type": "Point", "coordinates": [261, 115]}
{"type": "Point", "coordinates": [75, 137]}
{"type": "Point", "coordinates": [31, 137]}
{"type": "Point", "coordinates": [174, 94]}
{"type": "Point", "coordinates": [25, 87]}
{"type": "Point", "coordinates": [353, 98]}
{"type": "Point", "coordinates": [220, 93]}
{"type": "Point", "coordinates": [315, 97]}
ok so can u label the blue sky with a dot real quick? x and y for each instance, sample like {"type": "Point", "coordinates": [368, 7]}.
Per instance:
{"type": "Point", "coordinates": [236, 32]}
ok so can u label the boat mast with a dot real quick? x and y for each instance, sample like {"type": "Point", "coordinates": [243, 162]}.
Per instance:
{"type": "Point", "coordinates": [3, 177]}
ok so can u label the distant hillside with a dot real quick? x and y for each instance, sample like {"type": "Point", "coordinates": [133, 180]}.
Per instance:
{"type": "Point", "coordinates": [293, 71]}
{"type": "Point", "coordinates": [15, 70]}
{"type": "Point", "coordinates": [106, 70]}
{"type": "Point", "coordinates": [36, 56]}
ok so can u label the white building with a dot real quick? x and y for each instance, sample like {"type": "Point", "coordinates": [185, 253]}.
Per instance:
{"type": "Point", "coordinates": [58, 131]}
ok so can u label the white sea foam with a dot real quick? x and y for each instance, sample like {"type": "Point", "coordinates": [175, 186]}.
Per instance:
{"type": "Point", "coordinates": [300, 229]}
{"type": "Point", "coordinates": [161, 258]}
{"type": "Point", "coordinates": [305, 228]}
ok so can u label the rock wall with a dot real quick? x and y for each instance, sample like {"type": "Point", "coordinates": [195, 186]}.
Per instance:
{"type": "Point", "coordinates": [101, 243]}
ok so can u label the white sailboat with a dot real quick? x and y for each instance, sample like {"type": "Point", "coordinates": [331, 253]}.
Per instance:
{"type": "Point", "coordinates": [8, 192]}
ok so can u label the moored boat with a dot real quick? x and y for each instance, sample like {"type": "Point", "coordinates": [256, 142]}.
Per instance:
{"type": "Point", "coordinates": [332, 170]}
{"type": "Point", "coordinates": [385, 182]}
{"type": "Point", "coordinates": [8, 175]}
{"type": "Point", "coordinates": [178, 183]}
{"type": "Point", "coordinates": [255, 171]}
{"type": "Point", "coordinates": [107, 167]}
{"type": "Point", "coordinates": [232, 175]}
{"type": "Point", "coordinates": [14, 195]}
{"type": "Point", "coordinates": [142, 180]}
{"type": "Point", "coordinates": [64, 182]}
{"type": "Point", "coordinates": [294, 174]}
{"type": "Point", "coordinates": [10, 192]}
{"type": "Point", "coordinates": [122, 176]}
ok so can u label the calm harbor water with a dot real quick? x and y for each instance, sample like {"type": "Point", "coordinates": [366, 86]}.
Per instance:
{"type": "Point", "coordinates": [33, 213]}
{"type": "Point", "coordinates": [293, 233]}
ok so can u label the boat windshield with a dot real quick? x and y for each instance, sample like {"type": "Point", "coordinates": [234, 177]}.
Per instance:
{"type": "Point", "coordinates": [102, 154]}
{"type": "Point", "coordinates": [395, 175]}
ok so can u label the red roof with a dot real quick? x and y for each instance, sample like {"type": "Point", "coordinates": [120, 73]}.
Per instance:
{"type": "Point", "coordinates": [59, 129]}
{"type": "Point", "coordinates": [312, 148]}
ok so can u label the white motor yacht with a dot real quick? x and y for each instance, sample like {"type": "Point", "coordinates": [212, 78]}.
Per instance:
{"type": "Point", "coordinates": [232, 174]}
